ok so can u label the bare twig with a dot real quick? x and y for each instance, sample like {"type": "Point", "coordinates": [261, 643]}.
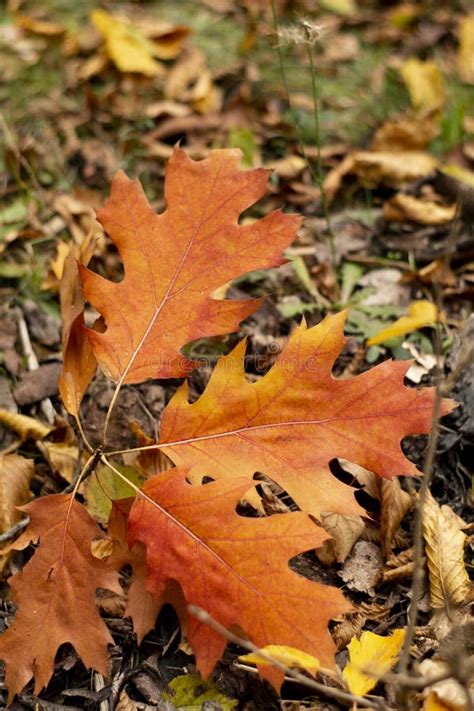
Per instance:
{"type": "Point", "coordinates": [417, 582]}
{"type": "Point", "coordinates": [32, 363]}
{"type": "Point", "coordinates": [330, 691]}
{"type": "Point", "coordinates": [16, 528]}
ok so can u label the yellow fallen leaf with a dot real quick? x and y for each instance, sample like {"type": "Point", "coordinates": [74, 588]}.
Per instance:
{"type": "Point", "coordinates": [402, 207]}
{"type": "Point", "coordinates": [466, 49]}
{"type": "Point", "coordinates": [420, 314]}
{"type": "Point", "coordinates": [27, 427]}
{"type": "Point", "coordinates": [425, 84]}
{"type": "Point", "coordinates": [346, 8]}
{"type": "Point", "coordinates": [370, 657]}
{"type": "Point", "coordinates": [126, 45]}
{"type": "Point", "coordinates": [462, 175]}
{"type": "Point", "coordinates": [444, 547]}
{"type": "Point", "coordinates": [289, 656]}
{"type": "Point", "coordinates": [433, 703]}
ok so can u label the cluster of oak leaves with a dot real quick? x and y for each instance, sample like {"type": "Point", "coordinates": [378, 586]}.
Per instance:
{"type": "Point", "coordinates": [184, 540]}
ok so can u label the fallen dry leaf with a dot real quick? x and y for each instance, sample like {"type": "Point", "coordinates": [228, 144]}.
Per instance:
{"type": "Point", "coordinates": [362, 571]}
{"type": "Point", "coordinates": [466, 49]}
{"type": "Point", "coordinates": [395, 169]}
{"type": "Point", "coordinates": [126, 45]}
{"type": "Point", "coordinates": [419, 315]}
{"type": "Point", "coordinates": [444, 548]}
{"type": "Point", "coordinates": [16, 473]}
{"type": "Point", "coordinates": [26, 427]}
{"type": "Point", "coordinates": [394, 504]}
{"type": "Point", "coordinates": [406, 134]}
{"type": "Point", "coordinates": [402, 207]}
{"type": "Point", "coordinates": [63, 606]}
{"type": "Point", "coordinates": [370, 657]}
{"type": "Point", "coordinates": [62, 457]}
{"type": "Point", "coordinates": [344, 532]}
{"type": "Point", "coordinates": [447, 694]}
{"type": "Point", "coordinates": [425, 84]}
{"type": "Point", "coordinates": [39, 27]}
{"type": "Point", "coordinates": [190, 81]}
{"type": "Point", "coordinates": [79, 362]}
{"type": "Point", "coordinates": [289, 656]}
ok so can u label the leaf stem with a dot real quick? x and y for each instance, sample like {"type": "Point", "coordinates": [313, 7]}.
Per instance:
{"type": "Point", "coordinates": [85, 439]}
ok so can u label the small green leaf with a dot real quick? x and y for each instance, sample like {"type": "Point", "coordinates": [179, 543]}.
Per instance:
{"type": "Point", "coordinates": [190, 693]}
{"type": "Point", "coordinates": [104, 486]}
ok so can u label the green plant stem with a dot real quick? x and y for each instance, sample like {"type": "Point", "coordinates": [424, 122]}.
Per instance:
{"type": "Point", "coordinates": [319, 163]}
{"type": "Point", "coordinates": [317, 175]}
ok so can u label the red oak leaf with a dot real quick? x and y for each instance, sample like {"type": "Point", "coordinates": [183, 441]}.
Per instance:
{"type": "Point", "coordinates": [173, 263]}
{"type": "Point", "coordinates": [55, 595]}
{"type": "Point", "coordinates": [235, 568]}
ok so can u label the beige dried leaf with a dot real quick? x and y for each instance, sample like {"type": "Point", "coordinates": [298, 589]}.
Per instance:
{"type": "Point", "coordinates": [61, 456]}
{"type": "Point", "coordinates": [15, 475]}
{"type": "Point", "coordinates": [344, 532]}
{"type": "Point", "coordinates": [102, 547]}
{"type": "Point", "coordinates": [444, 547]}
{"type": "Point", "coordinates": [406, 134]}
{"type": "Point", "coordinates": [125, 703]}
{"type": "Point", "coordinates": [350, 624]}
{"type": "Point", "coordinates": [402, 208]}
{"type": "Point", "coordinates": [363, 477]}
{"type": "Point", "coordinates": [449, 691]}
{"type": "Point", "coordinates": [395, 503]}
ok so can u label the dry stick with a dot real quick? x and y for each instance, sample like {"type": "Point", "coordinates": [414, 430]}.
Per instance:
{"type": "Point", "coordinates": [318, 174]}
{"type": "Point", "coordinates": [417, 582]}
{"type": "Point", "coordinates": [16, 528]}
{"type": "Point", "coordinates": [32, 364]}
{"type": "Point", "coordinates": [418, 575]}
{"type": "Point", "coordinates": [204, 616]}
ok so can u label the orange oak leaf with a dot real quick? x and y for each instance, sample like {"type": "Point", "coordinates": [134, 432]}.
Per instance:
{"type": "Point", "coordinates": [236, 568]}
{"type": "Point", "coordinates": [55, 594]}
{"type": "Point", "coordinates": [79, 362]}
{"type": "Point", "coordinates": [292, 422]}
{"type": "Point", "coordinates": [173, 263]}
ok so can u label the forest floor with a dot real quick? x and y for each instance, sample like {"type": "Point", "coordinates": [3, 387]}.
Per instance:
{"type": "Point", "coordinates": [387, 192]}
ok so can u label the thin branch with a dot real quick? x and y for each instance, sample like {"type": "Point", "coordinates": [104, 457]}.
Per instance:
{"type": "Point", "coordinates": [417, 582]}
{"type": "Point", "coordinates": [418, 575]}
{"type": "Point", "coordinates": [33, 364]}
{"type": "Point", "coordinates": [16, 528]}
{"type": "Point", "coordinates": [330, 691]}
